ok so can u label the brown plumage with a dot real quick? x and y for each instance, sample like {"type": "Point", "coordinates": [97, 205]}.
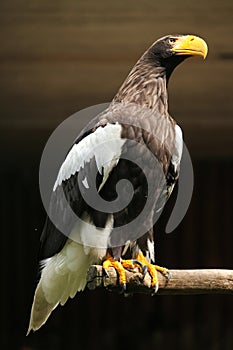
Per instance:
{"type": "Point", "coordinates": [138, 115]}
{"type": "Point", "coordinates": [146, 86]}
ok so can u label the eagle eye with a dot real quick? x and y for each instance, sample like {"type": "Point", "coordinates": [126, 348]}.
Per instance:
{"type": "Point", "coordinates": [172, 40]}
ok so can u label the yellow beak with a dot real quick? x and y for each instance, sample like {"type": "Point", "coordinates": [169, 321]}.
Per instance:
{"type": "Point", "coordinates": [190, 45]}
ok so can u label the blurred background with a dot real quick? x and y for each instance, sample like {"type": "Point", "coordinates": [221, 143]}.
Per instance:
{"type": "Point", "coordinates": [57, 57]}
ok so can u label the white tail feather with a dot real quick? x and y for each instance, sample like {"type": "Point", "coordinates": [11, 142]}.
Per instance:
{"type": "Point", "coordinates": [64, 274]}
{"type": "Point", "coordinates": [62, 277]}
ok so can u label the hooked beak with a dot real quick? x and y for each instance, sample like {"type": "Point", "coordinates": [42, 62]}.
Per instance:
{"type": "Point", "coordinates": [190, 45]}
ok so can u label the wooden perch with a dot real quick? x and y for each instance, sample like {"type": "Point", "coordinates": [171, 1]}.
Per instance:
{"type": "Point", "coordinates": [204, 281]}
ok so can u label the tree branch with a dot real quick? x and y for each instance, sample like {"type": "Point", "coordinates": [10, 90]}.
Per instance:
{"type": "Point", "coordinates": [204, 281]}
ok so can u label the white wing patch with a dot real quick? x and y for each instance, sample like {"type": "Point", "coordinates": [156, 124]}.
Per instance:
{"type": "Point", "coordinates": [105, 144]}
{"type": "Point", "coordinates": [178, 149]}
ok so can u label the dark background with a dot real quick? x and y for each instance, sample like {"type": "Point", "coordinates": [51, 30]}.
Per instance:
{"type": "Point", "coordinates": [57, 57]}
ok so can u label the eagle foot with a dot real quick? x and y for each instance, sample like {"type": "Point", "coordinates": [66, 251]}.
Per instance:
{"type": "Point", "coordinates": [120, 267]}
{"type": "Point", "coordinates": [131, 264]}
{"type": "Point", "coordinates": [153, 271]}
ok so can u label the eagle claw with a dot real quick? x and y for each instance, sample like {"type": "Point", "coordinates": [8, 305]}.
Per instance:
{"type": "Point", "coordinates": [105, 272]}
{"type": "Point", "coordinates": [123, 288]}
{"type": "Point", "coordinates": [143, 266]}
{"type": "Point", "coordinates": [168, 275]}
{"type": "Point", "coordinates": [156, 288]}
{"type": "Point", "coordinates": [144, 270]}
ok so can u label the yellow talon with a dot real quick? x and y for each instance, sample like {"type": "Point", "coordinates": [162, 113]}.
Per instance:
{"type": "Point", "coordinates": [110, 262]}
{"type": "Point", "coordinates": [120, 267]}
{"type": "Point", "coordinates": [140, 262]}
{"type": "Point", "coordinates": [128, 264]}
{"type": "Point", "coordinates": [153, 270]}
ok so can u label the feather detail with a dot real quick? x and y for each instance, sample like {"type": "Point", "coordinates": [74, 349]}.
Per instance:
{"type": "Point", "coordinates": [145, 86]}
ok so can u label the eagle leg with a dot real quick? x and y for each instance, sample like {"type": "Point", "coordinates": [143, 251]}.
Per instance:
{"type": "Point", "coordinates": [153, 271]}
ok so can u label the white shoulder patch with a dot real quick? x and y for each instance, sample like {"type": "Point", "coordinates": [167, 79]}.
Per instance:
{"type": "Point", "coordinates": [105, 144]}
{"type": "Point", "coordinates": [178, 149]}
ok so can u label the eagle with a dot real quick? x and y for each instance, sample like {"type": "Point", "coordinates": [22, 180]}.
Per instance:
{"type": "Point", "coordinates": [135, 143]}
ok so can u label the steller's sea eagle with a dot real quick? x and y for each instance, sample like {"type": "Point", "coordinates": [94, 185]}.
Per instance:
{"type": "Point", "coordinates": [138, 115]}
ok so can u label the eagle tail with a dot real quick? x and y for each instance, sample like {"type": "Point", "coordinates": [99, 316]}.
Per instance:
{"type": "Point", "coordinates": [62, 277]}
{"type": "Point", "coordinates": [41, 309]}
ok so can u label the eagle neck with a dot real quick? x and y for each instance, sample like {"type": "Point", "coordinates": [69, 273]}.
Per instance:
{"type": "Point", "coordinates": [145, 85]}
